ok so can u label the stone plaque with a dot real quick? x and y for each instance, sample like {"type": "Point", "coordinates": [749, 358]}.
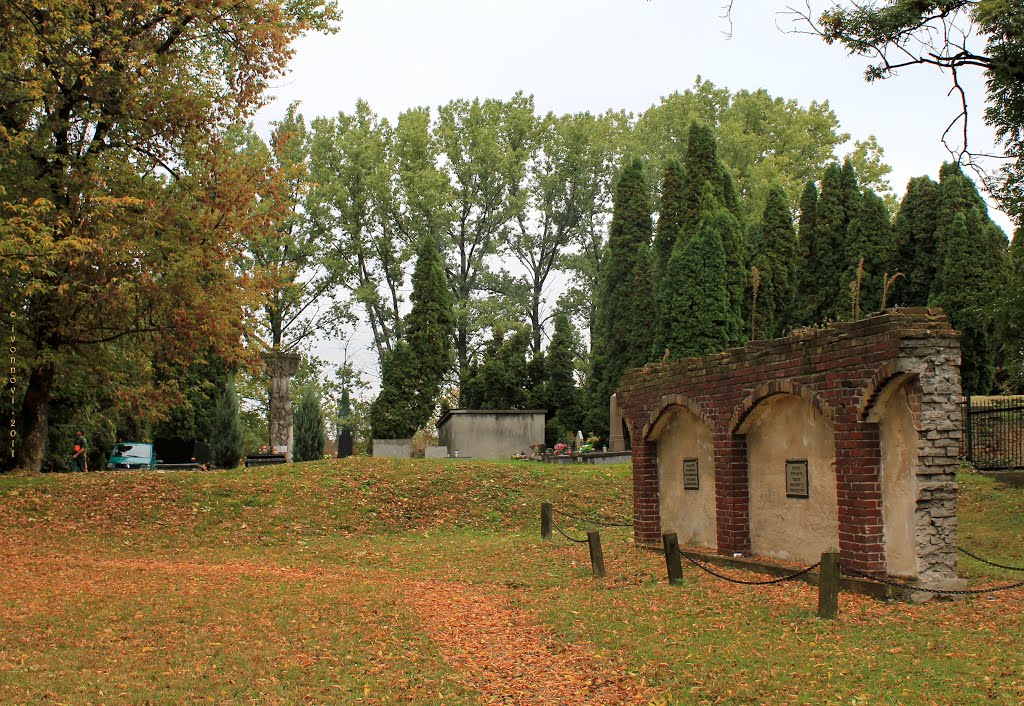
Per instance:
{"type": "Point", "coordinates": [691, 479]}
{"type": "Point", "coordinates": [797, 485]}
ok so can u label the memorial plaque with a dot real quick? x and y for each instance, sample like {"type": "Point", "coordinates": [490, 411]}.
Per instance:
{"type": "Point", "coordinates": [691, 479]}
{"type": "Point", "coordinates": [797, 484]}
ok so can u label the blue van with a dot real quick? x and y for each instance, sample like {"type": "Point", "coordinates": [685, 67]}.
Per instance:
{"type": "Point", "coordinates": [131, 455]}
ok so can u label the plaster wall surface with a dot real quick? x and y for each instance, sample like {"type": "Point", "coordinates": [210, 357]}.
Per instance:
{"type": "Point", "coordinates": [898, 438]}
{"type": "Point", "coordinates": [688, 513]}
{"type": "Point", "coordinates": [392, 448]}
{"type": "Point", "coordinates": [780, 429]}
{"type": "Point", "coordinates": [493, 434]}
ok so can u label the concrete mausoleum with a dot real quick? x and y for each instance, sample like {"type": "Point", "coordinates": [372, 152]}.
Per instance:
{"type": "Point", "coordinates": [490, 433]}
{"type": "Point", "coordinates": [843, 437]}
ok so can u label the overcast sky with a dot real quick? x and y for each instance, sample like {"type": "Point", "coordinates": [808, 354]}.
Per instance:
{"type": "Point", "coordinates": [594, 55]}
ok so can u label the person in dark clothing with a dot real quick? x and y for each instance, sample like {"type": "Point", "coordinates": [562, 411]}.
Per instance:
{"type": "Point", "coordinates": [78, 456]}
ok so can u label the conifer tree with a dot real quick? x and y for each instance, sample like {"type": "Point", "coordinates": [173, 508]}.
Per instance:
{"type": "Point", "coordinates": [826, 286]}
{"type": "Point", "coordinates": [775, 259]}
{"type": "Point", "coordinates": [915, 243]}
{"type": "Point", "coordinates": [310, 437]}
{"type": "Point", "coordinates": [227, 441]}
{"type": "Point", "coordinates": [412, 374]}
{"type": "Point", "coordinates": [869, 236]}
{"type": "Point", "coordinates": [697, 307]}
{"type": "Point", "coordinates": [623, 330]}
{"type": "Point", "coordinates": [805, 299]}
{"type": "Point", "coordinates": [670, 215]}
{"type": "Point", "coordinates": [560, 367]}
{"type": "Point", "coordinates": [971, 269]}
{"type": "Point", "coordinates": [501, 379]}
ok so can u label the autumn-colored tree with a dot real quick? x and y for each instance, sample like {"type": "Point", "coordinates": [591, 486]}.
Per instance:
{"type": "Point", "coordinates": [121, 203]}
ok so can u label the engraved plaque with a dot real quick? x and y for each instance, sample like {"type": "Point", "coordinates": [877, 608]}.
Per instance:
{"type": "Point", "coordinates": [691, 479]}
{"type": "Point", "coordinates": [797, 485]}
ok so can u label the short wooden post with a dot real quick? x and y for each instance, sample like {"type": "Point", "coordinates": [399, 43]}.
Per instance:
{"type": "Point", "coordinates": [545, 520]}
{"type": "Point", "coordinates": [596, 555]}
{"type": "Point", "coordinates": [828, 585]}
{"type": "Point", "coordinates": [673, 559]}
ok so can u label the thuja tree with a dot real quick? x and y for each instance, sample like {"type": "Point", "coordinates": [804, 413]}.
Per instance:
{"type": "Point", "coordinates": [670, 215]}
{"type": "Point", "coordinates": [870, 248]}
{"type": "Point", "coordinates": [915, 244]}
{"type": "Point", "coordinates": [623, 332]}
{"type": "Point", "coordinates": [227, 441]}
{"type": "Point", "coordinates": [709, 201]}
{"type": "Point", "coordinates": [774, 247]}
{"type": "Point", "coordinates": [697, 307]}
{"type": "Point", "coordinates": [310, 436]}
{"type": "Point", "coordinates": [502, 378]}
{"type": "Point", "coordinates": [563, 396]}
{"type": "Point", "coordinates": [413, 372]}
{"type": "Point", "coordinates": [972, 270]}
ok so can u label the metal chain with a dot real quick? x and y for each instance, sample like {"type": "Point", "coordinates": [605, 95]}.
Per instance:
{"type": "Point", "coordinates": [990, 563]}
{"type": "Point", "coordinates": [591, 522]}
{"type": "Point", "coordinates": [571, 539]}
{"type": "Point", "coordinates": [944, 592]}
{"type": "Point", "coordinates": [752, 583]}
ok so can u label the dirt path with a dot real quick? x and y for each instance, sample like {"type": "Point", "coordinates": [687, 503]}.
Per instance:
{"type": "Point", "coordinates": [507, 656]}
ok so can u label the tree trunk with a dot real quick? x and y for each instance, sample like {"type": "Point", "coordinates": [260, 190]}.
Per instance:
{"type": "Point", "coordinates": [35, 419]}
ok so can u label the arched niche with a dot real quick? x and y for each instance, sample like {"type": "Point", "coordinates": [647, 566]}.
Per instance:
{"type": "Point", "coordinates": [786, 520]}
{"type": "Point", "coordinates": [899, 441]}
{"type": "Point", "coordinates": [686, 476]}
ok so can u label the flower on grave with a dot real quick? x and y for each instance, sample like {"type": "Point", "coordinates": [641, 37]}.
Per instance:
{"type": "Point", "coordinates": [585, 448]}
{"type": "Point", "coordinates": [561, 449]}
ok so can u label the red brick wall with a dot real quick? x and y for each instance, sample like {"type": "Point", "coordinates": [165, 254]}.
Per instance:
{"type": "Point", "coordinates": [839, 370]}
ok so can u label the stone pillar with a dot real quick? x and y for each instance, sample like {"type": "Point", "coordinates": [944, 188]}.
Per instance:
{"type": "Point", "coordinates": [616, 441]}
{"type": "Point", "coordinates": [281, 367]}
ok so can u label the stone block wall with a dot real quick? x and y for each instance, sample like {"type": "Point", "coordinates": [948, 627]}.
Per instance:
{"type": "Point", "coordinates": [840, 371]}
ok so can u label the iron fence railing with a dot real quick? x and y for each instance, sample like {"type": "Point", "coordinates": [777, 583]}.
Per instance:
{"type": "Point", "coordinates": [993, 437]}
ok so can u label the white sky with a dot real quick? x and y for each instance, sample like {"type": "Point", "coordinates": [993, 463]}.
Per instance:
{"type": "Point", "coordinates": [594, 55]}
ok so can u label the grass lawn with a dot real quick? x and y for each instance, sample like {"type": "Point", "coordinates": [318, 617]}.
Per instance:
{"type": "Point", "coordinates": [370, 581]}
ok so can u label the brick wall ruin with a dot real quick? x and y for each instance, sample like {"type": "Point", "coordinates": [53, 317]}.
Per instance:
{"type": "Point", "coordinates": [861, 418]}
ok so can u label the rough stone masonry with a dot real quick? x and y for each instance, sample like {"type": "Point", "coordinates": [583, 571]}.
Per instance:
{"type": "Point", "coordinates": [879, 399]}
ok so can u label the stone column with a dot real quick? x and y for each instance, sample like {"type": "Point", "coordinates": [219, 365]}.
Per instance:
{"type": "Point", "coordinates": [281, 367]}
{"type": "Point", "coordinates": [616, 441]}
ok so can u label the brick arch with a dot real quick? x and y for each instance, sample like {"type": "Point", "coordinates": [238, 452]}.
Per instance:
{"type": "Point", "coordinates": [771, 389]}
{"type": "Point", "coordinates": [665, 404]}
{"type": "Point", "coordinates": [885, 375]}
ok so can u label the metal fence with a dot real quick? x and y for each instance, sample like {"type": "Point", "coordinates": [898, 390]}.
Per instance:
{"type": "Point", "coordinates": [993, 436]}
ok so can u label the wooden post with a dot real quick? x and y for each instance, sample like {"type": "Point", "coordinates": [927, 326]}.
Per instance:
{"type": "Point", "coordinates": [596, 555]}
{"type": "Point", "coordinates": [673, 559]}
{"type": "Point", "coordinates": [828, 585]}
{"type": "Point", "coordinates": [545, 520]}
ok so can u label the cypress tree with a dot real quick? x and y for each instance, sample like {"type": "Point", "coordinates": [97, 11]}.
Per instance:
{"type": "Point", "coordinates": [670, 215]}
{"type": "Point", "coordinates": [429, 328]}
{"type": "Point", "coordinates": [805, 298]}
{"type": "Point", "coordinates": [227, 442]}
{"type": "Point", "coordinates": [915, 243]}
{"type": "Point", "coordinates": [697, 307]}
{"type": "Point", "coordinates": [623, 334]}
{"type": "Point", "coordinates": [969, 276]}
{"type": "Point", "coordinates": [412, 374]}
{"type": "Point", "coordinates": [708, 188]}
{"type": "Point", "coordinates": [828, 260]}
{"type": "Point", "coordinates": [560, 367]}
{"type": "Point", "coordinates": [775, 259]}
{"type": "Point", "coordinates": [310, 437]}
{"type": "Point", "coordinates": [870, 237]}
{"type": "Point", "coordinates": [393, 414]}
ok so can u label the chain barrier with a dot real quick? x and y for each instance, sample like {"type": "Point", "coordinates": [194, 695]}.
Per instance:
{"type": "Point", "coordinates": [752, 583]}
{"type": "Point", "coordinates": [939, 591]}
{"type": "Point", "coordinates": [571, 539]}
{"type": "Point", "coordinates": [990, 563]}
{"type": "Point", "coordinates": [591, 522]}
